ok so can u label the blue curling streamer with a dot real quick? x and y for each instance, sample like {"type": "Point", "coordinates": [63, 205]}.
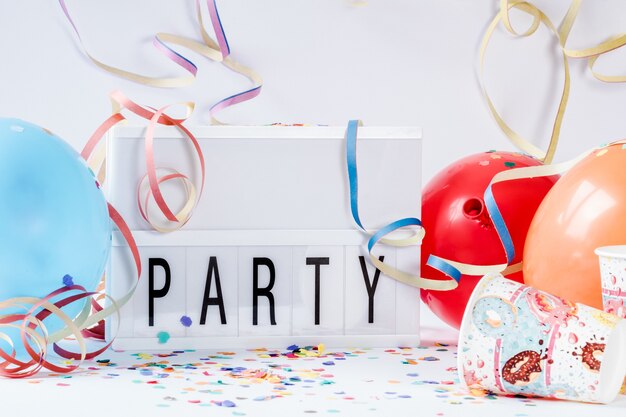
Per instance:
{"type": "Point", "coordinates": [351, 134]}
{"type": "Point", "coordinates": [398, 224]}
{"type": "Point", "coordinates": [433, 261]}
{"type": "Point", "coordinates": [500, 225]}
{"type": "Point", "coordinates": [445, 267]}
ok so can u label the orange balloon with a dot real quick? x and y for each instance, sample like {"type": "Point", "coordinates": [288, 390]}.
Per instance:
{"type": "Point", "coordinates": [585, 209]}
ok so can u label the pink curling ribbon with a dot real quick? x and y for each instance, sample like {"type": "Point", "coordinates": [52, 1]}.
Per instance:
{"type": "Point", "coordinates": [218, 51]}
{"type": "Point", "coordinates": [156, 117]}
{"type": "Point", "coordinates": [90, 322]}
{"type": "Point", "coordinates": [40, 308]}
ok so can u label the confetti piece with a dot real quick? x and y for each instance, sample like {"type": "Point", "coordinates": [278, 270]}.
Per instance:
{"type": "Point", "coordinates": [509, 164]}
{"type": "Point", "coordinates": [68, 281]}
{"type": "Point", "coordinates": [185, 321]}
{"type": "Point", "coordinates": [163, 337]}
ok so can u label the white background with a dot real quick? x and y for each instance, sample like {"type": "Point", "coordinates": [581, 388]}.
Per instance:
{"type": "Point", "coordinates": [391, 62]}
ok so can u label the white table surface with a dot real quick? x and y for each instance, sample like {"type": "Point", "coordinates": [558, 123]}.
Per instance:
{"type": "Point", "coordinates": [349, 381]}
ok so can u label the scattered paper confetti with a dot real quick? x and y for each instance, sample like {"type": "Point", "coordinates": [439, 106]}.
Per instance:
{"type": "Point", "coordinates": [298, 376]}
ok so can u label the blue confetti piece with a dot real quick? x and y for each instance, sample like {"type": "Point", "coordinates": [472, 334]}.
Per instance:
{"type": "Point", "coordinates": [68, 281]}
{"type": "Point", "coordinates": [293, 347]}
{"type": "Point", "coordinates": [228, 403]}
{"type": "Point", "coordinates": [186, 321]}
{"type": "Point", "coordinates": [328, 363]}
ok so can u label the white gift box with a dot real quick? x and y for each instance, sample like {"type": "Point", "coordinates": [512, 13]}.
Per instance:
{"type": "Point", "coordinates": [271, 256]}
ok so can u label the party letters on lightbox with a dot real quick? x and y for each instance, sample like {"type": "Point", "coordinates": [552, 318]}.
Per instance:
{"type": "Point", "coordinates": [271, 256]}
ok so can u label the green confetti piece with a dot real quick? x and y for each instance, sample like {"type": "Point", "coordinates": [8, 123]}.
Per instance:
{"type": "Point", "coordinates": [509, 164]}
{"type": "Point", "coordinates": [163, 337]}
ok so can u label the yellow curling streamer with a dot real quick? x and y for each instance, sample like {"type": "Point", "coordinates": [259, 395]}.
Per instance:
{"type": "Point", "coordinates": [592, 54]}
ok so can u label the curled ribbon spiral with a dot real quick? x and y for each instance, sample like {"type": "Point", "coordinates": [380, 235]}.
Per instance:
{"type": "Point", "coordinates": [452, 269]}
{"type": "Point", "coordinates": [155, 117]}
{"type": "Point", "coordinates": [30, 322]}
{"type": "Point", "coordinates": [455, 269]}
{"type": "Point", "coordinates": [217, 51]}
{"type": "Point", "coordinates": [90, 321]}
{"type": "Point", "coordinates": [561, 33]}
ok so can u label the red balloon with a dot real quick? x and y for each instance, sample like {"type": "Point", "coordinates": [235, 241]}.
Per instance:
{"type": "Point", "coordinates": [458, 226]}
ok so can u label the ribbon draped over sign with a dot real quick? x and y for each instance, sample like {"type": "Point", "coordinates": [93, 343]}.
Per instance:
{"type": "Point", "coordinates": [90, 321]}
{"type": "Point", "coordinates": [379, 236]}
{"type": "Point", "coordinates": [451, 268]}
{"type": "Point", "coordinates": [154, 117]}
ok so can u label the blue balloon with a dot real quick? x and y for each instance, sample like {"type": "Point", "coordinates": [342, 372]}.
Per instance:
{"type": "Point", "coordinates": [54, 223]}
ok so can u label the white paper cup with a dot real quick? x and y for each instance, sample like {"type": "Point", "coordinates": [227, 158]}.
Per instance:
{"type": "Point", "coordinates": [515, 339]}
{"type": "Point", "coordinates": [613, 276]}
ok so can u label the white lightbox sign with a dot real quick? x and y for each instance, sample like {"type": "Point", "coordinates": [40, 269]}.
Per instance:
{"type": "Point", "coordinates": [271, 256]}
